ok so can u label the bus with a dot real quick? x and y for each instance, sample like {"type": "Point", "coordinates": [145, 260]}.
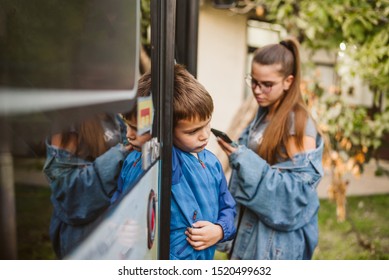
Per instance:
{"type": "Point", "coordinates": [64, 61]}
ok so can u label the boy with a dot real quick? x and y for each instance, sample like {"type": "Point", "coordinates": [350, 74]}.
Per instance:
{"type": "Point", "coordinates": [202, 209]}
{"type": "Point", "coordinates": [132, 166]}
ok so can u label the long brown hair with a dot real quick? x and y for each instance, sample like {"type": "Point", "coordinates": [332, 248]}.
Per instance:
{"type": "Point", "coordinates": [276, 136]}
{"type": "Point", "coordinates": [91, 141]}
{"type": "Point", "coordinates": [90, 138]}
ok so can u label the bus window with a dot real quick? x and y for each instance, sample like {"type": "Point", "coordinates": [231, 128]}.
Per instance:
{"type": "Point", "coordinates": [59, 64]}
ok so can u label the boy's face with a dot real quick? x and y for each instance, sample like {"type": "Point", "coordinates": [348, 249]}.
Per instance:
{"type": "Point", "coordinates": [135, 140]}
{"type": "Point", "coordinates": [192, 135]}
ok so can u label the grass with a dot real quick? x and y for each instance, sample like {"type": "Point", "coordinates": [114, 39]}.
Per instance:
{"type": "Point", "coordinates": [33, 212]}
{"type": "Point", "coordinates": [364, 235]}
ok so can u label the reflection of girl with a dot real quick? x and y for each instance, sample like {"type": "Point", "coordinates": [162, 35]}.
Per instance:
{"type": "Point", "coordinates": [277, 166]}
{"type": "Point", "coordinates": [82, 167]}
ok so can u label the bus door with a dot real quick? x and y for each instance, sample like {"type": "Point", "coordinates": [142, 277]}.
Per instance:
{"type": "Point", "coordinates": [59, 64]}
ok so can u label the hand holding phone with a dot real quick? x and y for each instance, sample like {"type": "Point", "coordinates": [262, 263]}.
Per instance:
{"type": "Point", "coordinates": [224, 136]}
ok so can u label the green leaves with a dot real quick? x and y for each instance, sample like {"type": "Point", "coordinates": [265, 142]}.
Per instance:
{"type": "Point", "coordinates": [324, 24]}
{"type": "Point", "coordinates": [354, 135]}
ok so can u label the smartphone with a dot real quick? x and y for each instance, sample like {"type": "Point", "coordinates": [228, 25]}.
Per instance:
{"type": "Point", "coordinates": [223, 136]}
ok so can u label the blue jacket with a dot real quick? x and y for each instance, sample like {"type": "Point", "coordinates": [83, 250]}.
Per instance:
{"type": "Point", "coordinates": [199, 192]}
{"type": "Point", "coordinates": [81, 192]}
{"type": "Point", "coordinates": [278, 204]}
{"type": "Point", "coordinates": [131, 171]}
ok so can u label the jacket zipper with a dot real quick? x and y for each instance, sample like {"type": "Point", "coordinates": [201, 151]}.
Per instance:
{"type": "Point", "coordinates": [136, 161]}
{"type": "Point", "coordinates": [194, 216]}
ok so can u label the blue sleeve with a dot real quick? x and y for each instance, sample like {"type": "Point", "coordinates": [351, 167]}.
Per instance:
{"type": "Point", "coordinates": [81, 190]}
{"type": "Point", "coordinates": [117, 194]}
{"type": "Point", "coordinates": [279, 197]}
{"type": "Point", "coordinates": [123, 173]}
{"type": "Point", "coordinates": [120, 182]}
{"type": "Point", "coordinates": [227, 211]}
{"type": "Point", "coordinates": [130, 172]}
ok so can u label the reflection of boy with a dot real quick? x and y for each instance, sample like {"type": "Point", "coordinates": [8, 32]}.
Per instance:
{"type": "Point", "coordinates": [202, 209]}
{"type": "Point", "coordinates": [132, 166]}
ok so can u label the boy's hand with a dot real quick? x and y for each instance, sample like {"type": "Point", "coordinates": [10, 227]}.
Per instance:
{"type": "Point", "coordinates": [129, 148]}
{"type": "Point", "coordinates": [204, 234]}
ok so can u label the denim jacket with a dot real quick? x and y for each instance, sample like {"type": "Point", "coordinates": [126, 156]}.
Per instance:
{"type": "Point", "coordinates": [81, 192]}
{"type": "Point", "coordinates": [278, 204]}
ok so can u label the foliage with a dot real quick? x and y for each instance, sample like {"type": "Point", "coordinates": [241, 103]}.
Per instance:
{"type": "Point", "coordinates": [373, 61]}
{"type": "Point", "coordinates": [353, 135]}
{"type": "Point", "coordinates": [145, 22]}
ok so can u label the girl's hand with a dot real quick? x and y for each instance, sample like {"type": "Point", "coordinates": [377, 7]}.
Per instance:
{"type": "Point", "coordinates": [204, 234]}
{"type": "Point", "coordinates": [227, 148]}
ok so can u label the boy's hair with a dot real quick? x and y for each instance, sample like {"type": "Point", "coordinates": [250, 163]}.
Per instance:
{"type": "Point", "coordinates": [144, 89]}
{"type": "Point", "coordinates": [191, 100]}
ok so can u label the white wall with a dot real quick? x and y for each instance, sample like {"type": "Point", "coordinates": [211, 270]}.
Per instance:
{"type": "Point", "coordinates": [221, 62]}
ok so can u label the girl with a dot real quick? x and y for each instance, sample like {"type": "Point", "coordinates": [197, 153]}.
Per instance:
{"type": "Point", "coordinates": [277, 166]}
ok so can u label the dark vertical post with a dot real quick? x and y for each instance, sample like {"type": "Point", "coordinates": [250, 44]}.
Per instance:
{"type": "Point", "coordinates": [187, 34]}
{"type": "Point", "coordinates": [163, 22]}
{"type": "Point", "coordinates": [8, 242]}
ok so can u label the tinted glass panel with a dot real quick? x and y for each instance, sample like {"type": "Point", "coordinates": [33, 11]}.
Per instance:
{"type": "Point", "coordinates": [73, 44]}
